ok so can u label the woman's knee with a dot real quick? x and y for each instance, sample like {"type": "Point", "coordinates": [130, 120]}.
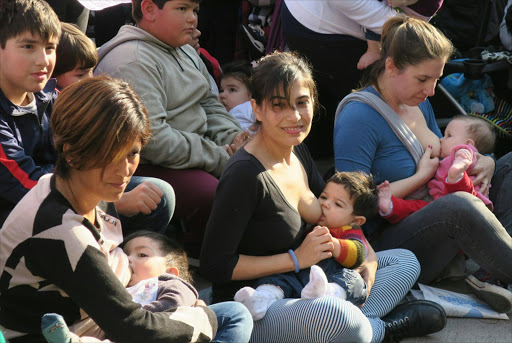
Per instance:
{"type": "Point", "coordinates": [405, 262]}
{"type": "Point", "coordinates": [326, 319]}
{"type": "Point", "coordinates": [460, 203]}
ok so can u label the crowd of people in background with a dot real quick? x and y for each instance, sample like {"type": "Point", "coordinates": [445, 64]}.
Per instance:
{"type": "Point", "coordinates": [124, 148]}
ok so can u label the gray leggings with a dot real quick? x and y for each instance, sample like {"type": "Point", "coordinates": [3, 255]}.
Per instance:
{"type": "Point", "coordinates": [458, 221]}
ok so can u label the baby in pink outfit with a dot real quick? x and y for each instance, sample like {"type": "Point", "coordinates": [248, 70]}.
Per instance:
{"type": "Point", "coordinates": [464, 137]}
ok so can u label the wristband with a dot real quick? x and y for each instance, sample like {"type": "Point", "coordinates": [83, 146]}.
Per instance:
{"type": "Point", "coordinates": [295, 261]}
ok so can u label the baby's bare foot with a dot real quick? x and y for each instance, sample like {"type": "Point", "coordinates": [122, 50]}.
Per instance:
{"type": "Point", "coordinates": [461, 163]}
{"type": "Point", "coordinates": [384, 197]}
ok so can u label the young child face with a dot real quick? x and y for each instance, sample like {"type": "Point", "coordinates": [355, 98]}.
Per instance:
{"type": "Point", "coordinates": [337, 206]}
{"type": "Point", "coordinates": [26, 64]}
{"type": "Point", "coordinates": [145, 258]}
{"type": "Point", "coordinates": [232, 93]}
{"type": "Point", "coordinates": [456, 133]}
{"type": "Point", "coordinates": [73, 76]}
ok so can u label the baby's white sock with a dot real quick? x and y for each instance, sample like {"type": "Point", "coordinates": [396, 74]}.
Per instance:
{"type": "Point", "coordinates": [317, 286]}
{"type": "Point", "coordinates": [336, 291]}
{"type": "Point", "coordinates": [259, 300]}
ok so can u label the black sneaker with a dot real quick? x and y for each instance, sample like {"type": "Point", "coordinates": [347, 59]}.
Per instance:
{"type": "Point", "coordinates": [254, 36]}
{"type": "Point", "coordinates": [414, 319]}
{"type": "Point", "coordinates": [490, 290]}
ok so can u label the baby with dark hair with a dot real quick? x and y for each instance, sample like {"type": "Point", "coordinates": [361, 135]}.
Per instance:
{"type": "Point", "coordinates": [347, 201]}
{"type": "Point", "coordinates": [160, 280]}
{"type": "Point", "coordinates": [235, 92]}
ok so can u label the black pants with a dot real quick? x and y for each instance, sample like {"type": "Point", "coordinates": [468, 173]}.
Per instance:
{"type": "Point", "coordinates": [71, 11]}
{"type": "Point", "coordinates": [334, 59]}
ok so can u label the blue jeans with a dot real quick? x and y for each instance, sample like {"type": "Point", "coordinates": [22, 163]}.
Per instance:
{"type": "Point", "coordinates": [234, 322]}
{"type": "Point", "coordinates": [158, 219]}
{"type": "Point", "coordinates": [292, 283]}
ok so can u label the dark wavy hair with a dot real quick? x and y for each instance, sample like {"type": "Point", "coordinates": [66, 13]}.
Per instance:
{"type": "Point", "coordinates": [362, 191]}
{"type": "Point", "coordinates": [278, 72]}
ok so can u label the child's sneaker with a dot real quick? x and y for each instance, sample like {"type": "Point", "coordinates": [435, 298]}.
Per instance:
{"type": "Point", "coordinates": [490, 290]}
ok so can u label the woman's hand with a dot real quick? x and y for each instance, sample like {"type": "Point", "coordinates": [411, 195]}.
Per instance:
{"type": "Point", "coordinates": [369, 268]}
{"type": "Point", "coordinates": [427, 165]}
{"type": "Point", "coordinates": [483, 172]}
{"type": "Point", "coordinates": [316, 246]}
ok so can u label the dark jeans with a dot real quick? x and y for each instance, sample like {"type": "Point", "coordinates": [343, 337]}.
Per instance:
{"type": "Point", "coordinates": [501, 191]}
{"type": "Point", "coordinates": [458, 221]}
{"type": "Point", "coordinates": [158, 219]}
{"type": "Point", "coordinates": [292, 283]}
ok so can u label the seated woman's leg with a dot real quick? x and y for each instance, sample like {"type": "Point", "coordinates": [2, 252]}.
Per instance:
{"type": "Point", "coordinates": [439, 230]}
{"type": "Point", "coordinates": [235, 322]}
{"type": "Point", "coordinates": [158, 219]}
{"type": "Point", "coordinates": [501, 191]}
{"type": "Point", "coordinates": [195, 191]}
{"type": "Point", "coordinates": [326, 319]}
{"type": "Point", "coordinates": [397, 272]}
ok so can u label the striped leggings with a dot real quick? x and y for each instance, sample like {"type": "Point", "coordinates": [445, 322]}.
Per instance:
{"type": "Point", "coordinates": [330, 319]}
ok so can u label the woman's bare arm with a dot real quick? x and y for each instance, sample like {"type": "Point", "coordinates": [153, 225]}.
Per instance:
{"type": "Point", "coordinates": [316, 246]}
{"type": "Point", "coordinates": [424, 172]}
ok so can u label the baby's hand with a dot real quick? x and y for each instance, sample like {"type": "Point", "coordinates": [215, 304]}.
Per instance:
{"type": "Point", "coordinates": [337, 247]}
{"type": "Point", "coordinates": [462, 161]}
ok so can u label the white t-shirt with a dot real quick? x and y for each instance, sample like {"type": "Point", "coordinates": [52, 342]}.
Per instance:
{"type": "Point", "coordinates": [348, 17]}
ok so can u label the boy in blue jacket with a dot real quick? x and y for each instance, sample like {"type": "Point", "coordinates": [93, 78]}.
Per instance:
{"type": "Point", "coordinates": [29, 36]}
{"type": "Point", "coordinates": [28, 41]}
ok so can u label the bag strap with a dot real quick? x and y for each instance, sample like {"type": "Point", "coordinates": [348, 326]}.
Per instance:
{"type": "Point", "coordinates": [401, 130]}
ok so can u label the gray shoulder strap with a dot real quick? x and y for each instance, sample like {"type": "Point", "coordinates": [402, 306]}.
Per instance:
{"type": "Point", "coordinates": [401, 130]}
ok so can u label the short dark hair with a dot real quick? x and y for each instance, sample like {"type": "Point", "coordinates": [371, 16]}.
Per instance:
{"type": "Point", "coordinates": [98, 118]}
{"type": "Point", "coordinates": [362, 191]}
{"type": "Point", "coordinates": [137, 11]}
{"type": "Point", "coordinates": [19, 16]}
{"type": "Point", "coordinates": [175, 255]}
{"type": "Point", "coordinates": [75, 50]}
{"type": "Point", "coordinates": [239, 70]}
{"type": "Point", "coordinates": [480, 131]}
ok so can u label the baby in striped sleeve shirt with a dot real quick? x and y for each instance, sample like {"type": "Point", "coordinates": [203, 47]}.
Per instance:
{"type": "Point", "coordinates": [347, 201]}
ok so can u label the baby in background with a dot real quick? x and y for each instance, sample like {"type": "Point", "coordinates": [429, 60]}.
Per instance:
{"type": "Point", "coordinates": [347, 201]}
{"type": "Point", "coordinates": [76, 56]}
{"type": "Point", "coordinates": [463, 138]}
{"type": "Point", "coordinates": [421, 9]}
{"type": "Point", "coordinates": [235, 92]}
{"type": "Point", "coordinates": [160, 280]}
